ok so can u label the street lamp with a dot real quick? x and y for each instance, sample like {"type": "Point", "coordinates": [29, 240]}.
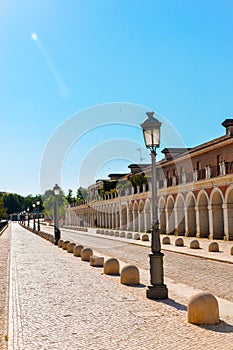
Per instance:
{"type": "Point", "coordinates": [34, 219]}
{"type": "Point", "coordinates": [157, 289]}
{"type": "Point", "coordinates": [38, 219]}
{"type": "Point", "coordinates": [57, 233]}
{"type": "Point", "coordinates": [28, 216]}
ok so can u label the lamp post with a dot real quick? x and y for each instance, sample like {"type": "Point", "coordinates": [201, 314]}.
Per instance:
{"type": "Point", "coordinates": [157, 289]}
{"type": "Point", "coordinates": [38, 219]}
{"type": "Point", "coordinates": [57, 233]}
{"type": "Point", "coordinates": [34, 219]}
{"type": "Point", "coordinates": [28, 216]}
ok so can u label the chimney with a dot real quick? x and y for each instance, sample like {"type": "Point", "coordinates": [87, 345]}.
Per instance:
{"type": "Point", "coordinates": [228, 124]}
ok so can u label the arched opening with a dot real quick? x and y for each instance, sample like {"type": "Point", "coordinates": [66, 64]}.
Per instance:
{"type": "Point", "coordinates": [217, 216]}
{"type": "Point", "coordinates": [135, 216]}
{"type": "Point", "coordinates": [123, 217]}
{"type": "Point", "coordinates": [191, 216]}
{"type": "Point", "coordinates": [229, 206]}
{"type": "Point", "coordinates": [130, 218]}
{"type": "Point", "coordinates": [180, 216]}
{"type": "Point", "coordinates": [147, 210]}
{"type": "Point", "coordinates": [162, 215]}
{"type": "Point", "coordinates": [203, 215]}
{"type": "Point", "coordinates": [170, 217]}
{"type": "Point", "coordinates": [141, 217]}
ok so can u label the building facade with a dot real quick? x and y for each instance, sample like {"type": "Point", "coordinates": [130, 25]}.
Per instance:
{"type": "Point", "coordinates": [195, 194]}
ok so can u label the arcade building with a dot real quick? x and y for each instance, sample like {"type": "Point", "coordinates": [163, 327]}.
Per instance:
{"type": "Point", "coordinates": [195, 194]}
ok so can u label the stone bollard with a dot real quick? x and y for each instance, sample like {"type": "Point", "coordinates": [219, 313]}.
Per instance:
{"type": "Point", "coordinates": [145, 237]}
{"type": "Point", "coordinates": [98, 231]}
{"type": "Point", "coordinates": [129, 235]}
{"type": "Point", "coordinates": [77, 250]}
{"type": "Point", "coordinates": [231, 251]}
{"type": "Point", "coordinates": [70, 247]}
{"type": "Point", "coordinates": [65, 244]}
{"type": "Point", "coordinates": [213, 247]}
{"type": "Point", "coordinates": [102, 232]}
{"type": "Point", "coordinates": [179, 242]}
{"type": "Point", "coordinates": [86, 254]}
{"type": "Point", "coordinates": [51, 239]}
{"type": "Point", "coordinates": [195, 244]}
{"type": "Point", "coordinates": [106, 232]}
{"type": "Point", "coordinates": [96, 261]}
{"type": "Point", "coordinates": [111, 233]}
{"type": "Point", "coordinates": [122, 234]}
{"type": "Point", "coordinates": [136, 236]}
{"type": "Point", "coordinates": [166, 240]}
{"type": "Point", "coordinates": [116, 234]}
{"type": "Point", "coordinates": [203, 309]}
{"type": "Point", "coordinates": [130, 275]}
{"type": "Point", "coordinates": [60, 242]}
{"type": "Point", "coordinates": [111, 267]}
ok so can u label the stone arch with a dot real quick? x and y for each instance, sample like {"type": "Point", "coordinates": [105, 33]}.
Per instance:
{"type": "Point", "coordinates": [216, 206]}
{"type": "Point", "coordinates": [229, 212]}
{"type": "Point", "coordinates": [191, 225]}
{"type": "Point", "coordinates": [203, 214]}
{"type": "Point", "coordinates": [162, 214]}
{"type": "Point", "coordinates": [147, 211]}
{"type": "Point", "coordinates": [130, 216]}
{"type": "Point", "coordinates": [179, 216]}
{"type": "Point", "coordinates": [141, 219]}
{"type": "Point", "coordinates": [123, 217]}
{"type": "Point", "coordinates": [170, 220]}
{"type": "Point", "coordinates": [135, 216]}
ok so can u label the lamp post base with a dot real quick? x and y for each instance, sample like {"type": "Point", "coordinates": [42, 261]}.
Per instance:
{"type": "Point", "coordinates": [158, 291]}
{"type": "Point", "coordinates": [57, 235]}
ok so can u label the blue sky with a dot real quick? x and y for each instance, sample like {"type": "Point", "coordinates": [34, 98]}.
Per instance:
{"type": "Point", "coordinates": [61, 57]}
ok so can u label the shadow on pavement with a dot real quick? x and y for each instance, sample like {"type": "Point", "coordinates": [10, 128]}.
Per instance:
{"type": "Point", "coordinates": [174, 304]}
{"type": "Point", "coordinates": [221, 327]}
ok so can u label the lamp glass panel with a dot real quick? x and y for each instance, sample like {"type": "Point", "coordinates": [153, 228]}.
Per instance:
{"type": "Point", "coordinates": [152, 137]}
{"type": "Point", "coordinates": [56, 191]}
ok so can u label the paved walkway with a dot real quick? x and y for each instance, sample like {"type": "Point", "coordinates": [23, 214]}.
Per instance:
{"type": "Point", "coordinates": [60, 302]}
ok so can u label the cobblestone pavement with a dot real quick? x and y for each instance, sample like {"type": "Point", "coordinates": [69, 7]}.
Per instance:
{"type": "Point", "coordinates": [60, 302]}
{"type": "Point", "coordinates": [4, 274]}
{"type": "Point", "coordinates": [204, 274]}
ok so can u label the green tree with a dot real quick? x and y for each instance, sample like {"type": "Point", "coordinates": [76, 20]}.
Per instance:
{"type": "Point", "coordinates": [81, 194]}
{"type": "Point", "coordinates": [48, 203]}
{"type": "Point", "coordinates": [70, 199]}
{"type": "Point", "coordinates": [3, 210]}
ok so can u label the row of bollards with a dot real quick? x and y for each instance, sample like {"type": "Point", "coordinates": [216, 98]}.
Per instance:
{"type": "Point", "coordinates": [129, 274]}
{"type": "Point", "coordinates": [202, 307]}
{"type": "Point", "coordinates": [122, 234]}
{"type": "Point", "coordinates": [194, 244]}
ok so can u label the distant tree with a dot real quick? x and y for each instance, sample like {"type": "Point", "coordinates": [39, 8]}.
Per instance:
{"type": "Point", "coordinates": [70, 199]}
{"type": "Point", "coordinates": [81, 194]}
{"type": "Point", "coordinates": [48, 203]}
{"type": "Point", "coordinates": [13, 202]}
{"type": "Point", "coordinates": [3, 210]}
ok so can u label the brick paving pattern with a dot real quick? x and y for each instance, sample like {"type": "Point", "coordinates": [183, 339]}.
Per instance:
{"type": "Point", "coordinates": [199, 273]}
{"type": "Point", "coordinates": [60, 302]}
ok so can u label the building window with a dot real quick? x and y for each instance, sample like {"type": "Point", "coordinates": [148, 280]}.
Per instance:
{"type": "Point", "coordinates": [195, 174]}
{"type": "Point", "coordinates": [219, 161]}
{"type": "Point", "coordinates": [222, 167]}
{"type": "Point", "coordinates": [208, 172]}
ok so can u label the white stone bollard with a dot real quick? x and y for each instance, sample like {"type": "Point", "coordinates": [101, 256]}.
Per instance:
{"type": "Point", "coordinates": [203, 309]}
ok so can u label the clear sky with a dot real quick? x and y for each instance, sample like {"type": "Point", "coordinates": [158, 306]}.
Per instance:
{"type": "Point", "coordinates": [59, 58]}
